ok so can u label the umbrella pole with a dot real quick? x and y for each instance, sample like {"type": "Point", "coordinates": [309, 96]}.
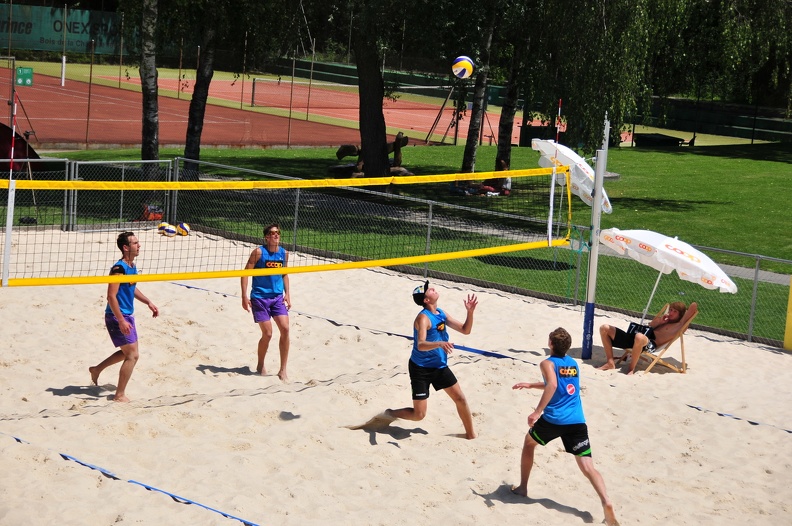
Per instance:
{"type": "Point", "coordinates": [558, 224]}
{"type": "Point", "coordinates": [646, 309]}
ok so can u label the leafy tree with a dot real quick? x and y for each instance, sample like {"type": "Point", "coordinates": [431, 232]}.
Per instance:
{"type": "Point", "coordinates": [370, 32]}
{"type": "Point", "coordinates": [208, 26]}
{"type": "Point", "coordinates": [490, 15]}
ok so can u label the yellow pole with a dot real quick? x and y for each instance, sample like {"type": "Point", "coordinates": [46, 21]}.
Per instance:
{"type": "Point", "coordinates": [788, 332]}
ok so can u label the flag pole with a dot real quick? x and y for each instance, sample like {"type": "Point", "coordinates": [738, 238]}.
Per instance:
{"type": "Point", "coordinates": [553, 183]}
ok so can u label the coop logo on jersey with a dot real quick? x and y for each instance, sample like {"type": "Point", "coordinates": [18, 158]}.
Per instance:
{"type": "Point", "coordinates": [274, 264]}
{"type": "Point", "coordinates": [568, 372]}
{"type": "Point", "coordinates": [441, 326]}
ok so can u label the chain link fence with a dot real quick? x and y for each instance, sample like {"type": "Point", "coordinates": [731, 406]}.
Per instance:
{"type": "Point", "coordinates": [357, 224]}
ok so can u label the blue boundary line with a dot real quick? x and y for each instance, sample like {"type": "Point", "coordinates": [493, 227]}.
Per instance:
{"type": "Point", "coordinates": [184, 500]}
{"type": "Point", "coordinates": [481, 352]}
{"type": "Point", "coordinates": [110, 474]}
{"type": "Point", "coordinates": [729, 415]}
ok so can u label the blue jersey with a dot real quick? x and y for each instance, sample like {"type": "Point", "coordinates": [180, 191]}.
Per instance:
{"type": "Point", "coordinates": [269, 286]}
{"type": "Point", "coordinates": [565, 407]}
{"type": "Point", "coordinates": [126, 291]}
{"type": "Point", "coordinates": [436, 358]}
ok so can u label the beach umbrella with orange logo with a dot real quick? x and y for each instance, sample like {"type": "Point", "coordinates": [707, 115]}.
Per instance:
{"type": "Point", "coordinates": [668, 254]}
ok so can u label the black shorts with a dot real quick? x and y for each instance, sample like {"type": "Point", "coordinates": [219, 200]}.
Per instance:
{"type": "Point", "coordinates": [422, 377]}
{"type": "Point", "coordinates": [574, 436]}
{"type": "Point", "coordinates": [622, 340]}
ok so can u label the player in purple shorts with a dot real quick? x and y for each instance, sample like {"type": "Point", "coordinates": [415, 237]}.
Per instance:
{"type": "Point", "coordinates": [269, 297]}
{"type": "Point", "coordinates": [119, 316]}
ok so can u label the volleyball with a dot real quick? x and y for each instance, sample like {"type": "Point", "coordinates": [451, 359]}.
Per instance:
{"type": "Point", "coordinates": [169, 230]}
{"type": "Point", "coordinates": [183, 229]}
{"type": "Point", "coordinates": [162, 226]}
{"type": "Point", "coordinates": [462, 67]}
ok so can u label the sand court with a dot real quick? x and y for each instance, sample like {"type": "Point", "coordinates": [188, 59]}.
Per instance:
{"type": "Point", "coordinates": [708, 447]}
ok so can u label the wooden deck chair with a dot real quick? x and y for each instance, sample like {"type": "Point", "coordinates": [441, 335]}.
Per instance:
{"type": "Point", "coordinates": [656, 356]}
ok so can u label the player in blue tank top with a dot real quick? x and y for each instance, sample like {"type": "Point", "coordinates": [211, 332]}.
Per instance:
{"type": "Point", "coordinates": [119, 316]}
{"type": "Point", "coordinates": [559, 413]}
{"type": "Point", "coordinates": [269, 297]}
{"type": "Point", "coordinates": [428, 365]}
{"type": "Point", "coordinates": [435, 332]}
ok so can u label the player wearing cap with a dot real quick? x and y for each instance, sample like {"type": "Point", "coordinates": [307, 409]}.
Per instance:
{"type": "Point", "coordinates": [429, 359]}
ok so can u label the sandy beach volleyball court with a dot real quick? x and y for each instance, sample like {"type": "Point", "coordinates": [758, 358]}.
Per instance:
{"type": "Point", "coordinates": [708, 447]}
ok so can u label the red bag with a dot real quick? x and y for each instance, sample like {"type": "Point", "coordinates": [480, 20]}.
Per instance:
{"type": "Point", "coordinates": [152, 213]}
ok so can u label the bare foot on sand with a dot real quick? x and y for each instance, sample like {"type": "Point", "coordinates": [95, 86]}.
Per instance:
{"type": "Point", "coordinates": [120, 398]}
{"type": "Point", "coordinates": [607, 366]}
{"type": "Point", "coordinates": [283, 376]}
{"type": "Point", "coordinates": [610, 516]}
{"type": "Point", "coordinates": [261, 370]}
{"type": "Point", "coordinates": [517, 490]}
{"type": "Point", "coordinates": [94, 375]}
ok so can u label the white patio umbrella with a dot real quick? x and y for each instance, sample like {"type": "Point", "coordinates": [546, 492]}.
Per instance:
{"type": "Point", "coordinates": [667, 254]}
{"type": "Point", "coordinates": [581, 174]}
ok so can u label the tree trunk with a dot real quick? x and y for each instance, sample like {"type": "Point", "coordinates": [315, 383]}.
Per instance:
{"type": "Point", "coordinates": [195, 119]}
{"type": "Point", "coordinates": [479, 97]}
{"type": "Point", "coordinates": [508, 110]}
{"type": "Point", "coordinates": [373, 139]}
{"type": "Point", "coordinates": [148, 82]}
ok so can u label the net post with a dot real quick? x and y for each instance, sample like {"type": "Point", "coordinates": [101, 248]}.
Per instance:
{"type": "Point", "coordinates": [596, 213]}
{"type": "Point", "coordinates": [9, 230]}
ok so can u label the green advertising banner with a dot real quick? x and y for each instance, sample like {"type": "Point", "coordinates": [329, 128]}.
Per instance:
{"type": "Point", "coordinates": [45, 28]}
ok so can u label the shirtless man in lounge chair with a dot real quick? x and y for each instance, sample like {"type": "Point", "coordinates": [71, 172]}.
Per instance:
{"type": "Point", "coordinates": [664, 328]}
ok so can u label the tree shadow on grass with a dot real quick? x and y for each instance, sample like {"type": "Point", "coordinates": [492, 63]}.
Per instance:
{"type": "Point", "coordinates": [524, 263]}
{"type": "Point", "coordinates": [664, 205]}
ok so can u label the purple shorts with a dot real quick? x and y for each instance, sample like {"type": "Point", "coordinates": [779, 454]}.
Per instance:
{"type": "Point", "coordinates": [118, 337]}
{"type": "Point", "coordinates": [264, 309]}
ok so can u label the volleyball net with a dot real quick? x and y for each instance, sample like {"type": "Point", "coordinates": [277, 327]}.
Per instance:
{"type": "Point", "coordinates": [64, 231]}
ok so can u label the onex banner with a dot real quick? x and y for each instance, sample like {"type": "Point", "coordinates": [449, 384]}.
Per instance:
{"type": "Point", "coordinates": [44, 29]}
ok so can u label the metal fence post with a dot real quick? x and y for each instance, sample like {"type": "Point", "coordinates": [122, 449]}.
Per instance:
{"type": "Point", "coordinates": [296, 212]}
{"type": "Point", "coordinates": [174, 194]}
{"type": "Point", "coordinates": [753, 299]}
{"type": "Point", "coordinates": [121, 205]}
{"type": "Point", "coordinates": [428, 240]}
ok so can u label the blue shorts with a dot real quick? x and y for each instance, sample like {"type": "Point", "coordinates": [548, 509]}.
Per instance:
{"type": "Point", "coordinates": [422, 377]}
{"type": "Point", "coordinates": [574, 436]}
{"type": "Point", "coordinates": [119, 338]}
{"type": "Point", "coordinates": [264, 309]}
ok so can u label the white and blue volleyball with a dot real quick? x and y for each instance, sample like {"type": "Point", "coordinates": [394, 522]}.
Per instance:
{"type": "Point", "coordinates": [169, 230]}
{"type": "Point", "coordinates": [462, 67]}
{"type": "Point", "coordinates": [183, 229]}
{"type": "Point", "coordinates": [162, 226]}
